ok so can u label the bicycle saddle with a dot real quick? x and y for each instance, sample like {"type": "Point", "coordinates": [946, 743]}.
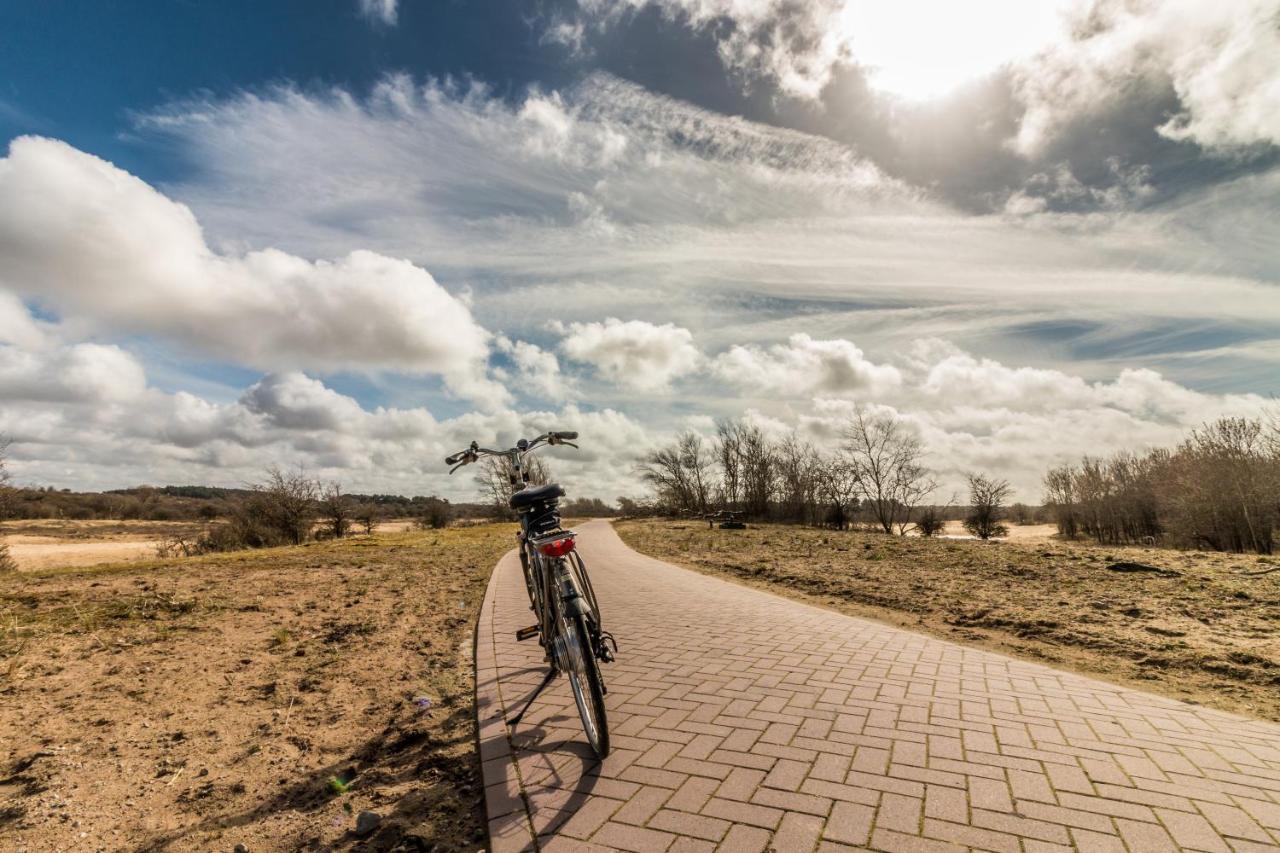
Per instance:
{"type": "Point", "coordinates": [529, 496]}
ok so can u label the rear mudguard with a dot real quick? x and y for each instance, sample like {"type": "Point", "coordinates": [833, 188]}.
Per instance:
{"type": "Point", "coordinates": [571, 598]}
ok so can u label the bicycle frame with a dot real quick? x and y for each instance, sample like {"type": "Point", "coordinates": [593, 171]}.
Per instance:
{"type": "Point", "coordinates": [573, 639]}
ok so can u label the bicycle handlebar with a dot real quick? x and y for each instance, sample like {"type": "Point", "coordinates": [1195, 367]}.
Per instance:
{"type": "Point", "coordinates": [475, 451]}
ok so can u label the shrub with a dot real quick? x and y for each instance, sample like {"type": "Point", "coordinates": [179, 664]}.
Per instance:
{"type": "Point", "coordinates": [986, 506]}
{"type": "Point", "coordinates": [930, 522]}
{"type": "Point", "coordinates": [435, 514]}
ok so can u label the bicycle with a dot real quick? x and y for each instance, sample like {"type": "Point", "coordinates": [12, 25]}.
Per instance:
{"type": "Point", "coordinates": [569, 625]}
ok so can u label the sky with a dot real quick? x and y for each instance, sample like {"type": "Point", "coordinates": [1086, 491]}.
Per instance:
{"type": "Point", "coordinates": [354, 235]}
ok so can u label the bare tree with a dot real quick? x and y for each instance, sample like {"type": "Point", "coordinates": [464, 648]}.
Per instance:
{"type": "Point", "coordinates": [728, 450]}
{"type": "Point", "coordinates": [838, 489]}
{"type": "Point", "coordinates": [498, 479]}
{"type": "Point", "coordinates": [798, 472]}
{"type": "Point", "coordinates": [337, 509]}
{"type": "Point", "coordinates": [289, 502]}
{"type": "Point", "coordinates": [680, 473]}
{"type": "Point", "coordinates": [886, 460]}
{"type": "Point", "coordinates": [7, 563]}
{"type": "Point", "coordinates": [1060, 501]}
{"type": "Point", "coordinates": [368, 514]}
{"type": "Point", "coordinates": [986, 506]}
{"type": "Point", "coordinates": [759, 471]}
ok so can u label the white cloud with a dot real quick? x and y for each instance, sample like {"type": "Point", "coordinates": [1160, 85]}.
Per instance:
{"type": "Point", "coordinates": [384, 12]}
{"type": "Point", "coordinates": [635, 354]}
{"type": "Point", "coordinates": [804, 367]}
{"type": "Point", "coordinates": [1219, 58]}
{"type": "Point", "coordinates": [106, 251]}
{"type": "Point", "coordinates": [537, 370]}
{"type": "Point", "coordinates": [82, 373]}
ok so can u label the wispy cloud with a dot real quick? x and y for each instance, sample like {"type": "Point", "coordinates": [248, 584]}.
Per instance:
{"type": "Point", "coordinates": [646, 259]}
{"type": "Point", "coordinates": [386, 12]}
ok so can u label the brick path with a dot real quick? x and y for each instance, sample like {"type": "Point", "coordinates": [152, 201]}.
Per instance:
{"type": "Point", "coordinates": [742, 721]}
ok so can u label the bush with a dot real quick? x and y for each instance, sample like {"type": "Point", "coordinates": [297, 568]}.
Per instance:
{"type": "Point", "coordinates": [930, 523]}
{"type": "Point", "coordinates": [434, 515]}
{"type": "Point", "coordinates": [7, 563]}
{"type": "Point", "coordinates": [986, 506]}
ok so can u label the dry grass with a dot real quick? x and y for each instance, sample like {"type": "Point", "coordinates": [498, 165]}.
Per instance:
{"type": "Point", "coordinates": [1207, 630]}
{"type": "Point", "coordinates": [263, 698]}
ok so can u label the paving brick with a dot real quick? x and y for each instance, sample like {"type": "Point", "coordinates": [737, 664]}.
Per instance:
{"type": "Point", "coordinates": [1147, 837]}
{"type": "Point", "coordinates": [884, 839]}
{"type": "Point", "coordinates": [790, 801]}
{"type": "Point", "coordinates": [634, 838]}
{"type": "Point", "coordinates": [787, 774]}
{"type": "Point", "coordinates": [990, 794]}
{"type": "Point", "coordinates": [1014, 825]}
{"type": "Point", "coordinates": [1234, 821]}
{"type": "Point", "coordinates": [684, 844]}
{"type": "Point", "coordinates": [797, 833]}
{"type": "Point", "coordinates": [972, 836]}
{"type": "Point", "coordinates": [849, 823]}
{"type": "Point", "coordinates": [642, 805]}
{"type": "Point", "coordinates": [946, 803]}
{"type": "Point", "coordinates": [744, 720]}
{"type": "Point", "coordinates": [1192, 831]}
{"type": "Point", "coordinates": [693, 794]}
{"type": "Point", "coordinates": [589, 817]}
{"type": "Point", "coordinates": [740, 784]}
{"type": "Point", "coordinates": [745, 839]}
{"type": "Point", "coordinates": [683, 823]}
{"type": "Point", "coordinates": [900, 813]}
{"type": "Point", "coordinates": [1067, 817]}
{"type": "Point", "coordinates": [752, 815]}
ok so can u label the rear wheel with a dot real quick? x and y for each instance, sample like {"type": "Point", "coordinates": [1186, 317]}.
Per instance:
{"type": "Point", "coordinates": [583, 670]}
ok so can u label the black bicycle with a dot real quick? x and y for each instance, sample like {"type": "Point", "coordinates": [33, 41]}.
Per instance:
{"type": "Point", "coordinates": [569, 627]}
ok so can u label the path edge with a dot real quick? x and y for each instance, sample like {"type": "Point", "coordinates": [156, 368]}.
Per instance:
{"type": "Point", "coordinates": [506, 809]}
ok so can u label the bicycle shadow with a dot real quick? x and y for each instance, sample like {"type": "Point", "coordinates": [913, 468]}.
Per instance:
{"type": "Point", "coordinates": [559, 771]}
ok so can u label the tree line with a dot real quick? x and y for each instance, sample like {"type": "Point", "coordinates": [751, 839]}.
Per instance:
{"type": "Point", "coordinates": [875, 473]}
{"type": "Point", "coordinates": [1218, 489]}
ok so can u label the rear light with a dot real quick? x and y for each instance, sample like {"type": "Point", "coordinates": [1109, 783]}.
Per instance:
{"type": "Point", "coordinates": [558, 548]}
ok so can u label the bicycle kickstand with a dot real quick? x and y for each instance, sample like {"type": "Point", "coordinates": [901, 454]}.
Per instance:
{"type": "Point", "coordinates": [546, 682]}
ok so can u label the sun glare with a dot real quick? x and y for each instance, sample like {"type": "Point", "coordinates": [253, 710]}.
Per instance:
{"type": "Point", "coordinates": [923, 49]}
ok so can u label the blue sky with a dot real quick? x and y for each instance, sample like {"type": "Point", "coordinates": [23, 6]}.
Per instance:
{"type": "Point", "coordinates": [352, 235]}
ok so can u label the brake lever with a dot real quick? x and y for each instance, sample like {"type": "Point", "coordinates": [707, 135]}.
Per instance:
{"type": "Point", "coordinates": [570, 443]}
{"type": "Point", "coordinates": [456, 467]}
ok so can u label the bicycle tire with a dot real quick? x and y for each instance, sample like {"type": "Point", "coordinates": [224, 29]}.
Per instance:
{"type": "Point", "coordinates": [588, 696]}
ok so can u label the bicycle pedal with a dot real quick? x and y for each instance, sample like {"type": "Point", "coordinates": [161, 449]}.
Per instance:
{"type": "Point", "coordinates": [526, 633]}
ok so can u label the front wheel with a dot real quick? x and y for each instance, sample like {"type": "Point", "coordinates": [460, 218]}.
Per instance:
{"type": "Point", "coordinates": [583, 670]}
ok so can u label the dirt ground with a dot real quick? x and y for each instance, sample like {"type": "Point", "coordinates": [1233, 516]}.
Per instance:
{"type": "Point", "coordinates": [1205, 628]}
{"type": "Point", "coordinates": [259, 698]}
{"type": "Point", "coordinates": [50, 543]}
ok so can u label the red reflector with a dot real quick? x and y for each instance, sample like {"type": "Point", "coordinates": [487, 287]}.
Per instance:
{"type": "Point", "coordinates": [558, 548]}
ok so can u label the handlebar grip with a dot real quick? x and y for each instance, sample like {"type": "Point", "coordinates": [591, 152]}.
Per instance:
{"type": "Point", "coordinates": [566, 436]}
{"type": "Point", "coordinates": [453, 459]}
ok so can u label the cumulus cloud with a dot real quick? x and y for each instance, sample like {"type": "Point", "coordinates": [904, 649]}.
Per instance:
{"type": "Point", "coordinates": [107, 251]}
{"type": "Point", "coordinates": [537, 370]}
{"type": "Point", "coordinates": [804, 366]}
{"type": "Point", "coordinates": [1218, 58]}
{"type": "Point", "coordinates": [78, 374]}
{"type": "Point", "coordinates": [384, 12]}
{"type": "Point", "coordinates": [636, 354]}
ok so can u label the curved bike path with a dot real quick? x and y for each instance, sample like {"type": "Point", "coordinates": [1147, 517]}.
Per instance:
{"type": "Point", "coordinates": [743, 721]}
